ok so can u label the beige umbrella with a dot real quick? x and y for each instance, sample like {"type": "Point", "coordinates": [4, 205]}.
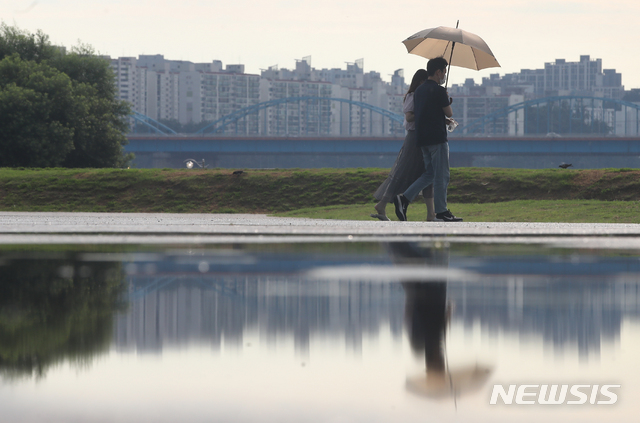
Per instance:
{"type": "Point", "coordinates": [450, 383]}
{"type": "Point", "coordinates": [461, 48]}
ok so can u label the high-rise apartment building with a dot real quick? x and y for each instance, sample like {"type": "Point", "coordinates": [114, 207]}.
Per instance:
{"type": "Point", "coordinates": [305, 101]}
{"type": "Point", "coordinates": [224, 93]}
{"type": "Point", "coordinates": [315, 114]}
{"type": "Point", "coordinates": [188, 92]}
{"type": "Point", "coordinates": [585, 77]}
{"type": "Point", "coordinates": [338, 115]}
{"type": "Point", "coordinates": [560, 78]}
{"type": "Point", "coordinates": [131, 82]}
{"type": "Point", "coordinates": [328, 101]}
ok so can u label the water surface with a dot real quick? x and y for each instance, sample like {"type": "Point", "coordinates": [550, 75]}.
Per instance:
{"type": "Point", "coordinates": [327, 332]}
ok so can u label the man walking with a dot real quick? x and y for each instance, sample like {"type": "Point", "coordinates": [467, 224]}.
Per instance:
{"type": "Point", "coordinates": [432, 109]}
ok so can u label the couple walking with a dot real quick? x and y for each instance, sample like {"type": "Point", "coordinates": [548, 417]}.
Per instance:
{"type": "Point", "coordinates": [423, 160]}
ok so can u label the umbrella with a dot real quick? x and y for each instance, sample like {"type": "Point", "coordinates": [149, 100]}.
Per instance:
{"type": "Point", "coordinates": [453, 383]}
{"type": "Point", "coordinates": [463, 48]}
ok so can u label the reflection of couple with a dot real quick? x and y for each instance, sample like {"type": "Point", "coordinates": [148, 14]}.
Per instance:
{"type": "Point", "coordinates": [423, 161]}
{"type": "Point", "coordinates": [426, 320]}
{"type": "Point", "coordinates": [425, 303]}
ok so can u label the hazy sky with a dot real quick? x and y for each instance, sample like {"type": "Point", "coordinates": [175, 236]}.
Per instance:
{"type": "Point", "coordinates": [523, 34]}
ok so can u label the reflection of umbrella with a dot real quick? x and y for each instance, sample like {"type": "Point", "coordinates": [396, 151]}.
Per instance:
{"type": "Point", "coordinates": [452, 383]}
{"type": "Point", "coordinates": [461, 48]}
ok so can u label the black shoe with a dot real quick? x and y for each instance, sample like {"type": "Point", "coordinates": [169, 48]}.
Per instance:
{"type": "Point", "coordinates": [401, 203]}
{"type": "Point", "coordinates": [448, 217]}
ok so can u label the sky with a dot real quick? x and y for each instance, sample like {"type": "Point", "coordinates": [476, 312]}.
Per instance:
{"type": "Point", "coordinates": [522, 34]}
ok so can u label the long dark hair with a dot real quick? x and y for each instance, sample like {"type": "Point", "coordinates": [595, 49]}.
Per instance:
{"type": "Point", "coordinates": [418, 78]}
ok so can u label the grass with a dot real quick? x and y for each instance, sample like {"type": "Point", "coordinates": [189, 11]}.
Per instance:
{"type": "Point", "coordinates": [476, 194]}
{"type": "Point", "coordinates": [178, 191]}
{"type": "Point", "coordinates": [570, 211]}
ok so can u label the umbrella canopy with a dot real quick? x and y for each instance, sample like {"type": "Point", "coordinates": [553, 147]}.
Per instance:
{"type": "Point", "coordinates": [460, 48]}
{"type": "Point", "coordinates": [441, 385]}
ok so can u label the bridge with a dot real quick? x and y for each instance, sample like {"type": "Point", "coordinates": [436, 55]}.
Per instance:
{"type": "Point", "coordinates": [573, 129]}
{"type": "Point", "coordinates": [219, 125]}
{"type": "Point", "coordinates": [306, 152]}
{"type": "Point", "coordinates": [566, 115]}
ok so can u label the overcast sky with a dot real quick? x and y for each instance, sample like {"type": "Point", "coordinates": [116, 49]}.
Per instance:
{"type": "Point", "coordinates": [523, 34]}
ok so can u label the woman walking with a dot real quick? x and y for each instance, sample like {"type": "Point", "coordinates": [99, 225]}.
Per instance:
{"type": "Point", "coordinates": [409, 164]}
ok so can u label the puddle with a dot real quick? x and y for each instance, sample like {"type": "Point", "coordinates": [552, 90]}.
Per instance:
{"type": "Point", "coordinates": [324, 332]}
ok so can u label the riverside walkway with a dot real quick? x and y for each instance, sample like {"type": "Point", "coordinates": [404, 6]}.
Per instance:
{"type": "Point", "coordinates": [165, 228]}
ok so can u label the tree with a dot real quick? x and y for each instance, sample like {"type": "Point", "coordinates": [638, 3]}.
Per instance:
{"type": "Point", "coordinates": [58, 108]}
{"type": "Point", "coordinates": [100, 136]}
{"type": "Point", "coordinates": [34, 47]}
{"type": "Point", "coordinates": [37, 108]}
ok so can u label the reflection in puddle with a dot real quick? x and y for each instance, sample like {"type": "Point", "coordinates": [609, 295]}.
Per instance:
{"type": "Point", "coordinates": [54, 309]}
{"type": "Point", "coordinates": [427, 316]}
{"type": "Point", "coordinates": [313, 332]}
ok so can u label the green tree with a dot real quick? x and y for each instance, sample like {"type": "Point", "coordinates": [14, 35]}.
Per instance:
{"type": "Point", "coordinates": [101, 135]}
{"type": "Point", "coordinates": [37, 110]}
{"type": "Point", "coordinates": [58, 108]}
{"type": "Point", "coordinates": [35, 47]}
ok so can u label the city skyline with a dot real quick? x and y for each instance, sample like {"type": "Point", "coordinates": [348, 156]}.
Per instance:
{"type": "Point", "coordinates": [522, 35]}
{"type": "Point", "coordinates": [190, 93]}
{"type": "Point", "coordinates": [190, 309]}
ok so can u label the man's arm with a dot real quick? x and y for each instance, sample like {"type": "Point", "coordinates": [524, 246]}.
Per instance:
{"type": "Point", "coordinates": [448, 111]}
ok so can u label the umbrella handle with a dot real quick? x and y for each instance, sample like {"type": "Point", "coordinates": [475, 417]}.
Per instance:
{"type": "Point", "coordinates": [453, 46]}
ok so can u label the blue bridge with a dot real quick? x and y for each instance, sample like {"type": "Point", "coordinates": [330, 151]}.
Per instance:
{"type": "Point", "coordinates": [568, 129]}
{"type": "Point", "coordinates": [514, 152]}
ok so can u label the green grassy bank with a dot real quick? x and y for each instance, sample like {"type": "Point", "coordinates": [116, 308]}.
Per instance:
{"type": "Point", "coordinates": [572, 211]}
{"type": "Point", "coordinates": [277, 191]}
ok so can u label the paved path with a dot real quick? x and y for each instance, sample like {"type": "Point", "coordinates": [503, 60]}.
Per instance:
{"type": "Point", "coordinates": [28, 227]}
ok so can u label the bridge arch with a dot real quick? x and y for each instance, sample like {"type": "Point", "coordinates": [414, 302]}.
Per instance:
{"type": "Point", "coordinates": [219, 124]}
{"type": "Point", "coordinates": [153, 124]}
{"type": "Point", "coordinates": [597, 103]}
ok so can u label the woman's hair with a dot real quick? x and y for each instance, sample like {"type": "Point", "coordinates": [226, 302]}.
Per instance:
{"type": "Point", "coordinates": [418, 78]}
